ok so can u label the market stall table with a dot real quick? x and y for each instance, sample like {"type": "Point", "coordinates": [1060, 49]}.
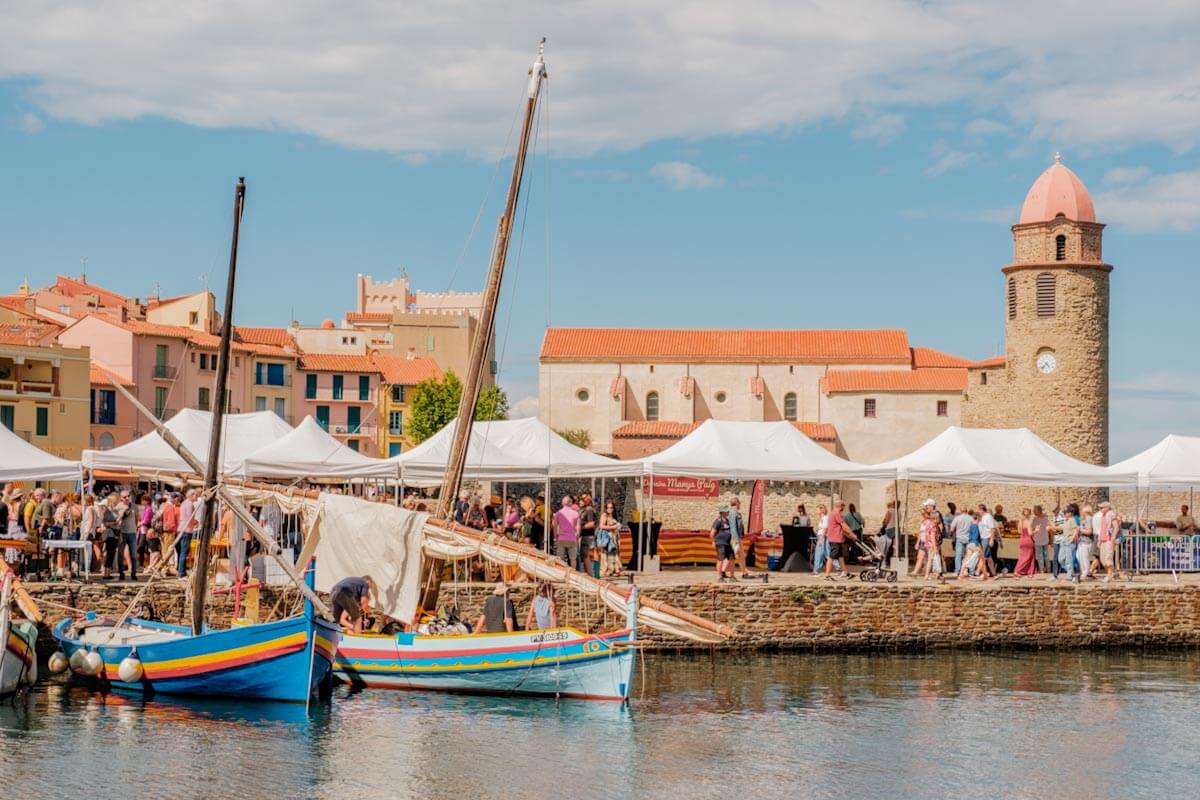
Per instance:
{"type": "Point", "coordinates": [83, 546]}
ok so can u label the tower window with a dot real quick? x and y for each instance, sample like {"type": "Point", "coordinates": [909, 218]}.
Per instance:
{"type": "Point", "coordinates": [1045, 294]}
{"type": "Point", "coordinates": [869, 407]}
{"type": "Point", "coordinates": [1012, 298]}
{"type": "Point", "coordinates": [652, 406]}
{"type": "Point", "coordinates": [983, 379]}
{"type": "Point", "coordinates": [943, 408]}
{"type": "Point", "coordinates": [789, 406]}
{"type": "Point", "coordinates": [1060, 248]}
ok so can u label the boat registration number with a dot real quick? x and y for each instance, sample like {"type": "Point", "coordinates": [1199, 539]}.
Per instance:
{"type": "Point", "coordinates": [553, 636]}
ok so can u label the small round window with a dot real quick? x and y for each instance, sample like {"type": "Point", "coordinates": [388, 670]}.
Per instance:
{"type": "Point", "coordinates": [720, 397]}
{"type": "Point", "coordinates": [583, 395]}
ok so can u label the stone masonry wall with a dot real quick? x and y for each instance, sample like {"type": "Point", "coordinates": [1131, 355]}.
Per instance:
{"type": "Point", "coordinates": [850, 616]}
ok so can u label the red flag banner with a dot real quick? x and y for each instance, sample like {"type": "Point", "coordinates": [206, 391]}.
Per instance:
{"type": "Point", "coordinates": [755, 525]}
{"type": "Point", "coordinates": [670, 486]}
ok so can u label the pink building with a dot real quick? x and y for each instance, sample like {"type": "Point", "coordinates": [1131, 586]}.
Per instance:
{"type": "Point", "coordinates": [342, 393]}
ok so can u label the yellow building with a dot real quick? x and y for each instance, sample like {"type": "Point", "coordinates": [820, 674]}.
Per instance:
{"type": "Point", "coordinates": [44, 389]}
{"type": "Point", "coordinates": [398, 376]}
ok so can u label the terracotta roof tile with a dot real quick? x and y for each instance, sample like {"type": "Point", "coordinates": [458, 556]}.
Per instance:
{"type": "Point", "coordinates": [336, 362]}
{"type": "Point", "coordinates": [995, 361]}
{"type": "Point", "coordinates": [729, 346]}
{"type": "Point", "coordinates": [927, 357]}
{"type": "Point", "coordinates": [276, 337]}
{"type": "Point", "coordinates": [399, 370]}
{"type": "Point", "coordinates": [26, 333]}
{"type": "Point", "coordinates": [664, 429]}
{"type": "Point", "coordinates": [895, 380]}
{"type": "Point", "coordinates": [73, 288]}
{"type": "Point", "coordinates": [98, 375]}
{"type": "Point", "coordinates": [817, 431]}
{"type": "Point", "coordinates": [208, 341]}
{"type": "Point", "coordinates": [16, 303]}
{"type": "Point", "coordinates": [658, 429]}
{"type": "Point", "coordinates": [368, 316]}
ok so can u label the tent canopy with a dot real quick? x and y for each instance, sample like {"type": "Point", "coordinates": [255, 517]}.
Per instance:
{"type": "Point", "coordinates": [21, 461]}
{"type": "Point", "coordinates": [1004, 456]}
{"type": "Point", "coordinates": [514, 450]}
{"type": "Point", "coordinates": [1175, 461]}
{"type": "Point", "coordinates": [242, 435]}
{"type": "Point", "coordinates": [308, 451]}
{"type": "Point", "coordinates": [757, 451]}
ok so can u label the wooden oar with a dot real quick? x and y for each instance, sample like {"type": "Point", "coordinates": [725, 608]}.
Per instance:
{"type": "Point", "coordinates": [25, 601]}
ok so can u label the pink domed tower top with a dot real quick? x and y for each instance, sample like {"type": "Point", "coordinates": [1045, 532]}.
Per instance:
{"type": "Point", "coordinates": [1057, 192]}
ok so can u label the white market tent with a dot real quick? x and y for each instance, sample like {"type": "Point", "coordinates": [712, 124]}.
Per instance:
{"type": "Point", "coordinates": [21, 461]}
{"type": "Point", "coordinates": [757, 451]}
{"type": "Point", "coordinates": [1175, 461]}
{"type": "Point", "coordinates": [243, 434]}
{"type": "Point", "coordinates": [308, 451]}
{"type": "Point", "coordinates": [509, 450]}
{"type": "Point", "coordinates": [1001, 456]}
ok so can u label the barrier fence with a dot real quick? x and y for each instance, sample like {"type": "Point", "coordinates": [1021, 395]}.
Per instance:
{"type": "Point", "coordinates": [1161, 553]}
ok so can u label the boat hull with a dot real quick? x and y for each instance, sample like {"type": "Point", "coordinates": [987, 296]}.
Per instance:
{"type": "Point", "coordinates": [562, 662]}
{"type": "Point", "coordinates": [18, 655]}
{"type": "Point", "coordinates": [286, 660]}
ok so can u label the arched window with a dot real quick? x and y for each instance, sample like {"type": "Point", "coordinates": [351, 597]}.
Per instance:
{"type": "Point", "coordinates": [1012, 298]}
{"type": "Point", "coordinates": [1045, 294]}
{"type": "Point", "coordinates": [789, 406]}
{"type": "Point", "coordinates": [652, 406]}
{"type": "Point", "coordinates": [106, 441]}
{"type": "Point", "coordinates": [1060, 248]}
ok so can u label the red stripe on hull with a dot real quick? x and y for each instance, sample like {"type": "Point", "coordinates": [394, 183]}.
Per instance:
{"type": "Point", "coordinates": [493, 692]}
{"type": "Point", "coordinates": [158, 674]}
{"type": "Point", "coordinates": [410, 651]}
{"type": "Point", "coordinates": [23, 654]}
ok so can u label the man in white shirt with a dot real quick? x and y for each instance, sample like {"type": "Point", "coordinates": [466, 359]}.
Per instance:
{"type": "Point", "coordinates": [989, 538]}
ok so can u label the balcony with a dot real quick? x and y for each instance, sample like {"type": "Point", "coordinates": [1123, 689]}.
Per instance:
{"type": "Point", "coordinates": [325, 395]}
{"type": "Point", "coordinates": [353, 430]}
{"type": "Point", "coordinates": [263, 380]}
{"type": "Point", "coordinates": [162, 372]}
{"type": "Point", "coordinates": [37, 388]}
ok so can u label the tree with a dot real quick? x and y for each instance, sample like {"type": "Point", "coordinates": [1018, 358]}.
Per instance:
{"type": "Point", "coordinates": [435, 404]}
{"type": "Point", "coordinates": [576, 436]}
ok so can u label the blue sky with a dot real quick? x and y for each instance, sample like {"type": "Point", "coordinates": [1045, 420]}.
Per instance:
{"type": "Point", "coordinates": [826, 165]}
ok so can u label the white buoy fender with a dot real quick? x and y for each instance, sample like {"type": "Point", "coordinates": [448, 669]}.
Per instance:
{"type": "Point", "coordinates": [76, 661]}
{"type": "Point", "coordinates": [93, 663]}
{"type": "Point", "coordinates": [58, 662]}
{"type": "Point", "coordinates": [130, 669]}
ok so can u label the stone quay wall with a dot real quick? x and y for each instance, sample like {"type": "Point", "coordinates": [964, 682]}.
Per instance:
{"type": "Point", "coordinates": [827, 617]}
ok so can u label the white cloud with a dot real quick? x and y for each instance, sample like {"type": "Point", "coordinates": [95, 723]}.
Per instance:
{"type": "Point", "coordinates": [882, 128]}
{"type": "Point", "coordinates": [525, 407]}
{"type": "Point", "coordinates": [441, 77]}
{"type": "Point", "coordinates": [30, 122]}
{"type": "Point", "coordinates": [984, 127]}
{"type": "Point", "coordinates": [682, 175]}
{"type": "Point", "coordinates": [1148, 407]}
{"type": "Point", "coordinates": [1150, 203]}
{"type": "Point", "coordinates": [949, 160]}
{"type": "Point", "coordinates": [1123, 175]}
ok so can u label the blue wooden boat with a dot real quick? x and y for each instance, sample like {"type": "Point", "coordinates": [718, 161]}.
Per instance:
{"type": "Point", "coordinates": [287, 660]}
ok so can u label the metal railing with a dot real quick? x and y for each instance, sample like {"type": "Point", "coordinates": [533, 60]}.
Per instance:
{"type": "Point", "coordinates": [352, 430]}
{"type": "Point", "coordinates": [261, 380]}
{"type": "Point", "coordinates": [164, 372]}
{"type": "Point", "coordinates": [1166, 552]}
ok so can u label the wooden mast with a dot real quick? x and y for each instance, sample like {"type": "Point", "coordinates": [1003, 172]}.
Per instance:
{"type": "Point", "coordinates": [211, 472]}
{"type": "Point", "coordinates": [491, 296]}
{"type": "Point", "coordinates": [456, 463]}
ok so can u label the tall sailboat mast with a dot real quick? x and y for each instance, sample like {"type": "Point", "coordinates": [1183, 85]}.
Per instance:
{"type": "Point", "coordinates": [491, 295]}
{"type": "Point", "coordinates": [209, 522]}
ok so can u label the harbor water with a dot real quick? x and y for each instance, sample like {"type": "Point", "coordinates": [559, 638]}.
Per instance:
{"type": "Point", "coordinates": [963, 725]}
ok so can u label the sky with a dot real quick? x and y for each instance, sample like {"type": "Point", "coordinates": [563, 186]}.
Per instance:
{"type": "Point", "coordinates": [710, 164]}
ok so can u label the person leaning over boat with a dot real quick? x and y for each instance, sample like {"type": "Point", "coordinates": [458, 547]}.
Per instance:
{"type": "Point", "coordinates": [499, 615]}
{"type": "Point", "coordinates": [351, 599]}
{"type": "Point", "coordinates": [543, 611]}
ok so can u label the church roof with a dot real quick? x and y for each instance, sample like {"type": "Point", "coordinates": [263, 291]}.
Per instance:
{"type": "Point", "coordinates": [935, 380]}
{"type": "Point", "coordinates": [1057, 192]}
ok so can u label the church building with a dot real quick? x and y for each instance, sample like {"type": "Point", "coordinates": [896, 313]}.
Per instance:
{"type": "Point", "coordinates": [868, 395]}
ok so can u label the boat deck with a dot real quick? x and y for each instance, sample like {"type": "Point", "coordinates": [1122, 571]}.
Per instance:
{"type": "Point", "coordinates": [127, 635]}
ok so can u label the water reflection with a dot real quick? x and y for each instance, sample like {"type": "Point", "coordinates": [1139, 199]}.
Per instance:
{"type": "Point", "coordinates": [967, 725]}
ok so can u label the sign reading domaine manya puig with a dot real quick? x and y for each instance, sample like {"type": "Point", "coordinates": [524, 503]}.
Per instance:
{"type": "Point", "coordinates": [670, 486]}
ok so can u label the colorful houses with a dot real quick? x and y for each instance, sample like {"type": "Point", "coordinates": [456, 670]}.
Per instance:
{"type": "Point", "coordinates": [399, 376]}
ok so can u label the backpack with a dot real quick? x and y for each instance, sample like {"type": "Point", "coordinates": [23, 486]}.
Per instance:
{"type": "Point", "coordinates": [156, 523]}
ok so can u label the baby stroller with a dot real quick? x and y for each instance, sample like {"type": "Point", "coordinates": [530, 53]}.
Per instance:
{"type": "Point", "coordinates": [877, 571]}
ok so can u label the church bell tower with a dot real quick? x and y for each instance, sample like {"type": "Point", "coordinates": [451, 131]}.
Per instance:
{"type": "Point", "coordinates": [1056, 311]}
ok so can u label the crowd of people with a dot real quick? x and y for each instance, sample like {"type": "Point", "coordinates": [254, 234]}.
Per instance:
{"type": "Point", "coordinates": [583, 535]}
{"type": "Point", "coordinates": [126, 531]}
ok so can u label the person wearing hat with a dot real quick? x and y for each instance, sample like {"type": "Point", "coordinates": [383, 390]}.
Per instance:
{"type": "Point", "coordinates": [499, 615]}
{"type": "Point", "coordinates": [1104, 526]}
{"type": "Point", "coordinates": [14, 527]}
{"type": "Point", "coordinates": [722, 539]}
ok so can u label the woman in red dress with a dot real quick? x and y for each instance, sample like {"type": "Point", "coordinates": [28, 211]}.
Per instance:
{"type": "Point", "coordinates": [1026, 551]}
